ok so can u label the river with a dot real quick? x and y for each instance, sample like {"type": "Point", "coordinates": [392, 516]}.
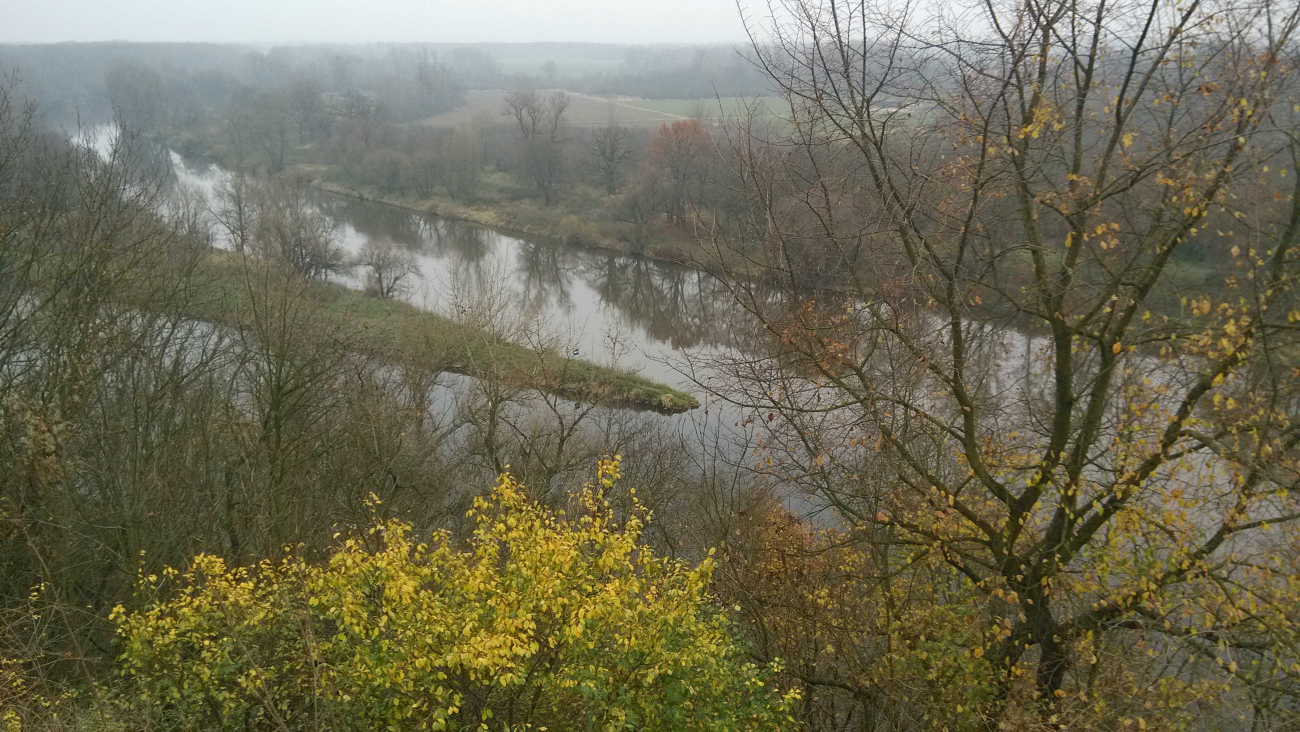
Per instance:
{"type": "Point", "coordinates": [622, 310]}
{"type": "Point", "coordinates": [614, 309]}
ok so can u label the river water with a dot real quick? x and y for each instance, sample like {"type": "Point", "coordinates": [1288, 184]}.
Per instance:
{"type": "Point", "coordinates": [631, 312]}
{"type": "Point", "coordinates": [639, 314]}
{"type": "Point", "coordinates": [635, 313]}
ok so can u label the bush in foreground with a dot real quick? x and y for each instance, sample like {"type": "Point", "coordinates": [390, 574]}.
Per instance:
{"type": "Point", "coordinates": [545, 620]}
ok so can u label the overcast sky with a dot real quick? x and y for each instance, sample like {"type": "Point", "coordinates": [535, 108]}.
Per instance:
{"type": "Point", "coordinates": [456, 21]}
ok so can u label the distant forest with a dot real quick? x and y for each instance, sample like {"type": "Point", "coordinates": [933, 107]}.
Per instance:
{"type": "Point", "coordinates": [68, 79]}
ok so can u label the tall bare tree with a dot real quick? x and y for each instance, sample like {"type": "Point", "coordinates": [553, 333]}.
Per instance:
{"type": "Point", "coordinates": [1033, 415]}
{"type": "Point", "coordinates": [542, 136]}
{"type": "Point", "coordinates": [305, 96]}
{"type": "Point", "coordinates": [293, 233]}
{"type": "Point", "coordinates": [610, 153]}
{"type": "Point", "coordinates": [234, 207]}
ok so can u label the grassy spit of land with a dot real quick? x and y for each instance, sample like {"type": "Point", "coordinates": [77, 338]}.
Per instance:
{"type": "Point", "coordinates": [400, 332]}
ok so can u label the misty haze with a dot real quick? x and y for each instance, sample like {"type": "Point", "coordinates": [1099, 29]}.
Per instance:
{"type": "Point", "coordinates": [817, 365]}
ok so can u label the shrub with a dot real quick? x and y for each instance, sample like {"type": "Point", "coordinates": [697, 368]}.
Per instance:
{"type": "Point", "coordinates": [544, 620]}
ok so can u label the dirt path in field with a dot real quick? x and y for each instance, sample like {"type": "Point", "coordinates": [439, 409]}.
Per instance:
{"type": "Point", "coordinates": [628, 106]}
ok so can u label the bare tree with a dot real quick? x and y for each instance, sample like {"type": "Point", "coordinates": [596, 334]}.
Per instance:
{"type": "Point", "coordinates": [356, 105]}
{"type": "Point", "coordinates": [1057, 450]}
{"type": "Point", "coordinates": [294, 233]}
{"type": "Point", "coordinates": [93, 287]}
{"type": "Point", "coordinates": [680, 157]}
{"type": "Point", "coordinates": [388, 269]}
{"type": "Point", "coordinates": [187, 213]}
{"type": "Point", "coordinates": [640, 205]}
{"type": "Point", "coordinates": [610, 152]}
{"type": "Point", "coordinates": [525, 105]}
{"type": "Point", "coordinates": [271, 123]}
{"type": "Point", "coordinates": [542, 136]}
{"type": "Point", "coordinates": [307, 105]}
{"type": "Point", "coordinates": [481, 129]}
{"type": "Point", "coordinates": [136, 93]}
{"type": "Point", "coordinates": [233, 207]}
{"type": "Point", "coordinates": [262, 125]}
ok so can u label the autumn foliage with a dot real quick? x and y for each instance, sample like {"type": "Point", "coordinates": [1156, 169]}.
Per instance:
{"type": "Point", "coordinates": [678, 156]}
{"type": "Point", "coordinates": [545, 620]}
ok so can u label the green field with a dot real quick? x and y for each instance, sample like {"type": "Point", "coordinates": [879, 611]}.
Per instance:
{"type": "Point", "coordinates": [591, 111]}
{"type": "Point", "coordinates": [726, 107]}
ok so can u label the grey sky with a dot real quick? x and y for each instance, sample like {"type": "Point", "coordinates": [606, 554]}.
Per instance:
{"type": "Point", "coordinates": [456, 21]}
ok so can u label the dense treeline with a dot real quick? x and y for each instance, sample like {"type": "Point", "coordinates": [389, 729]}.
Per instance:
{"type": "Point", "coordinates": [68, 79]}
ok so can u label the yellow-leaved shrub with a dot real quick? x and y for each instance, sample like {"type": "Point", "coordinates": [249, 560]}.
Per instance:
{"type": "Point", "coordinates": [545, 620]}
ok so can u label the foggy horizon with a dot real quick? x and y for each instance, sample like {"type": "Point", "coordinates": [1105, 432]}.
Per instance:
{"type": "Point", "coordinates": [387, 21]}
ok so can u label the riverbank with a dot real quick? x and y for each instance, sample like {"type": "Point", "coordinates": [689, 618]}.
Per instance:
{"type": "Point", "coordinates": [522, 217]}
{"type": "Point", "coordinates": [402, 333]}
{"type": "Point", "coordinates": [584, 216]}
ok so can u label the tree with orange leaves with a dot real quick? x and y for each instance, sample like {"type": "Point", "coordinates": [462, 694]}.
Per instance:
{"type": "Point", "coordinates": [679, 157]}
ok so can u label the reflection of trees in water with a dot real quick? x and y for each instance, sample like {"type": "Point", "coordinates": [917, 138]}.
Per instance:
{"type": "Point", "coordinates": [466, 247]}
{"type": "Point", "coordinates": [468, 243]}
{"type": "Point", "coordinates": [546, 269]}
{"type": "Point", "coordinates": [673, 304]}
{"type": "Point", "coordinates": [670, 303]}
{"type": "Point", "coordinates": [374, 221]}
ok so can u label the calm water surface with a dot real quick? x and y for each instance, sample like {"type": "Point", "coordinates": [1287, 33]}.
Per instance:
{"type": "Point", "coordinates": [613, 309]}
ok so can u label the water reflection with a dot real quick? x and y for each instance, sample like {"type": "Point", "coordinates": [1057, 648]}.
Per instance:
{"type": "Point", "coordinates": [470, 244]}
{"type": "Point", "coordinates": [672, 304]}
{"type": "Point", "coordinates": [374, 222]}
{"type": "Point", "coordinates": [545, 272]}
{"type": "Point", "coordinates": [666, 307]}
